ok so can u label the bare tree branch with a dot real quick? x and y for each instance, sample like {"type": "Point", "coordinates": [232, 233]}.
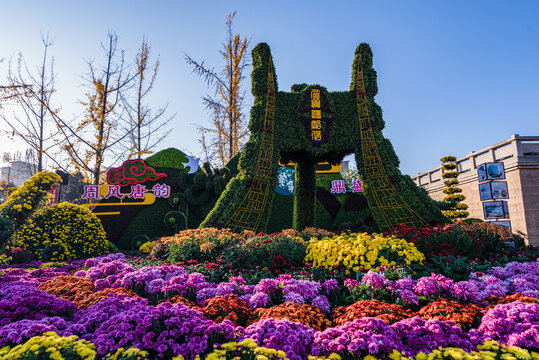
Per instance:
{"type": "Point", "coordinates": [90, 141]}
{"type": "Point", "coordinates": [147, 125]}
{"type": "Point", "coordinates": [29, 91]}
{"type": "Point", "coordinates": [229, 130]}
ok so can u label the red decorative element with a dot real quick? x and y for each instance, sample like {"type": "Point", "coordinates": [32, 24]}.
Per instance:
{"type": "Point", "coordinates": [132, 172]}
{"type": "Point", "coordinates": [357, 186]}
{"type": "Point", "coordinates": [55, 191]}
{"type": "Point", "coordinates": [337, 187]}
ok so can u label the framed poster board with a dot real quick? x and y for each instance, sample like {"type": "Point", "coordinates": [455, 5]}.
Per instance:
{"type": "Point", "coordinates": [499, 190]}
{"type": "Point", "coordinates": [495, 210]}
{"type": "Point", "coordinates": [485, 191]}
{"type": "Point", "coordinates": [504, 223]}
{"type": "Point", "coordinates": [495, 171]}
{"type": "Point", "coordinates": [482, 172]}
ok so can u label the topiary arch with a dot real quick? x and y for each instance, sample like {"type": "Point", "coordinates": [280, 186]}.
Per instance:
{"type": "Point", "coordinates": [310, 125]}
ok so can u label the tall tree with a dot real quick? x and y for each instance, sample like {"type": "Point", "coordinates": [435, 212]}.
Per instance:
{"type": "Point", "coordinates": [29, 92]}
{"type": "Point", "coordinates": [229, 131]}
{"type": "Point", "coordinates": [89, 141]}
{"type": "Point", "coordinates": [146, 126]}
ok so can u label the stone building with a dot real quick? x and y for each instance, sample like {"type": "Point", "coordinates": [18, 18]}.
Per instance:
{"type": "Point", "coordinates": [520, 156]}
{"type": "Point", "coordinates": [16, 172]}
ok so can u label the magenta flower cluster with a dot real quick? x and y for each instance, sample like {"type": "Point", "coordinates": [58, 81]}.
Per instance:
{"type": "Point", "coordinates": [21, 301]}
{"type": "Point", "coordinates": [293, 338]}
{"type": "Point", "coordinates": [167, 330]}
{"type": "Point", "coordinates": [170, 280]}
{"type": "Point", "coordinates": [499, 281]}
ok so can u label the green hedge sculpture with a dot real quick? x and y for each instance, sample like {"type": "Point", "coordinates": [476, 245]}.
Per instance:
{"type": "Point", "coordinates": [310, 125]}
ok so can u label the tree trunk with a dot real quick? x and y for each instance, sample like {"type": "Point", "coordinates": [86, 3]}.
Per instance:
{"type": "Point", "coordinates": [305, 195]}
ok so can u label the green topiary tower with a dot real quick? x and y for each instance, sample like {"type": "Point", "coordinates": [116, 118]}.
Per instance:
{"type": "Point", "coordinates": [310, 125]}
{"type": "Point", "coordinates": [455, 208]}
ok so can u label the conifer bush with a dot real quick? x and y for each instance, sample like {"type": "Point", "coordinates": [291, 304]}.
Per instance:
{"type": "Point", "coordinates": [455, 208]}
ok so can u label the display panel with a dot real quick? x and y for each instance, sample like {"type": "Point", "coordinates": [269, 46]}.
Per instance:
{"type": "Point", "coordinates": [485, 191]}
{"type": "Point", "coordinates": [495, 171]}
{"type": "Point", "coordinates": [499, 190]}
{"type": "Point", "coordinates": [504, 223]}
{"type": "Point", "coordinates": [482, 172]}
{"type": "Point", "coordinates": [494, 210]}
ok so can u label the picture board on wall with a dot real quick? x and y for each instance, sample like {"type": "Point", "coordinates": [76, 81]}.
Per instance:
{"type": "Point", "coordinates": [493, 190]}
{"type": "Point", "coordinates": [491, 171]}
{"type": "Point", "coordinates": [495, 210]}
{"type": "Point", "coordinates": [495, 171]}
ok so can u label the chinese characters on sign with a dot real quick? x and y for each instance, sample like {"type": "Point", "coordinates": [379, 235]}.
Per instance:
{"type": "Point", "coordinates": [91, 192]}
{"type": "Point", "coordinates": [137, 191]}
{"type": "Point", "coordinates": [338, 186]}
{"type": "Point", "coordinates": [316, 116]}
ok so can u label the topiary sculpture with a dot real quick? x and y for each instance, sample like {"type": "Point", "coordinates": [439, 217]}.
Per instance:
{"type": "Point", "coordinates": [454, 208]}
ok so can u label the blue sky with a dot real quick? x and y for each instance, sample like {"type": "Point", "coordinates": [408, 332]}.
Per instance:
{"type": "Point", "coordinates": [453, 77]}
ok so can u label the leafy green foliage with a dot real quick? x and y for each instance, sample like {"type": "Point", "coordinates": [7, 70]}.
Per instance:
{"type": "Point", "coordinates": [200, 244]}
{"type": "Point", "coordinates": [292, 142]}
{"type": "Point", "coordinates": [478, 240]}
{"type": "Point", "coordinates": [275, 252]}
{"type": "Point", "coordinates": [7, 227]}
{"type": "Point", "coordinates": [305, 195]}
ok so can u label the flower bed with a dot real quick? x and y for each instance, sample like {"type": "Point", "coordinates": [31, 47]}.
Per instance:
{"type": "Point", "coordinates": [118, 307]}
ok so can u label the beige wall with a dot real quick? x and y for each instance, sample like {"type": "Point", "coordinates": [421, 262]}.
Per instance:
{"type": "Point", "coordinates": [520, 155]}
{"type": "Point", "coordinates": [530, 188]}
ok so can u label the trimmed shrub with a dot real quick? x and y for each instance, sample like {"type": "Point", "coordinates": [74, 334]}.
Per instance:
{"type": "Point", "coordinates": [63, 232]}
